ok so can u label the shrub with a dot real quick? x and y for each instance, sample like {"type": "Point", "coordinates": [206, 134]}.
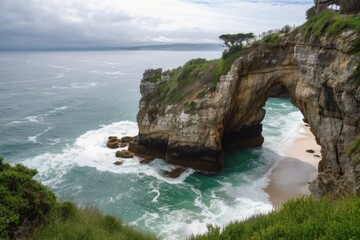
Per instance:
{"type": "Point", "coordinates": [66, 221]}
{"type": "Point", "coordinates": [24, 202]}
{"type": "Point", "coordinates": [329, 22]}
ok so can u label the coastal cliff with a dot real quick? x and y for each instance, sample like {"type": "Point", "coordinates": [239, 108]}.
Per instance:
{"type": "Point", "coordinates": [188, 115]}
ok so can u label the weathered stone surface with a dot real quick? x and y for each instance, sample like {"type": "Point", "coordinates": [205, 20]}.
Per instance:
{"type": "Point", "coordinates": [321, 83]}
{"type": "Point", "coordinates": [146, 160]}
{"type": "Point", "coordinates": [123, 144]}
{"type": "Point", "coordinates": [126, 139]}
{"type": "Point", "coordinates": [124, 154]}
{"type": "Point", "coordinates": [113, 143]}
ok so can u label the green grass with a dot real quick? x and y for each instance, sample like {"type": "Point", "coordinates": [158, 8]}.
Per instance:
{"type": "Point", "coordinates": [270, 40]}
{"type": "Point", "coordinates": [303, 218]}
{"type": "Point", "coordinates": [193, 80]}
{"type": "Point", "coordinates": [329, 22]}
{"type": "Point", "coordinates": [68, 222]}
{"type": "Point", "coordinates": [28, 210]}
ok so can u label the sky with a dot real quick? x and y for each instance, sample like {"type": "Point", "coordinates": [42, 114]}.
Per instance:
{"type": "Point", "coordinates": [35, 24]}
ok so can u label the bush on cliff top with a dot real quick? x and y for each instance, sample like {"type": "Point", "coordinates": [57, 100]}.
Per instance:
{"type": "Point", "coordinates": [303, 218]}
{"type": "Point", "coordinates": [24, 202]}
{"type": "Point", "coordinates": [28, 210]}
{"type": "Point", "coordinates": [197, 75]}
{"type": "Point", "coordinates": [329, 22]}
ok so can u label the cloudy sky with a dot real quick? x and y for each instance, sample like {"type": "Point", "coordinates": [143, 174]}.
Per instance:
{"type": "Point", "coordinates": [114, 23]}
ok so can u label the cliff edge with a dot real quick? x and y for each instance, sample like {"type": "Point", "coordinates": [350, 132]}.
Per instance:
{"type": "Point", "coordinates": [187, 115]}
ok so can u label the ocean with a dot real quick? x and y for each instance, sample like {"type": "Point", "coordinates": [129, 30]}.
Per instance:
{"type": "Point", "coordinates": [58, 108]}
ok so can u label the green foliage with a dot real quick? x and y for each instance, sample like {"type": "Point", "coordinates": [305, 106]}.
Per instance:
{"type": "Point", "coordinates": [310, 12]}
{"type": "Point", "coordinates": [190, 107]}
{"type": "Point", "coordinates": [285, 29]}
{"type": "Point", "coordinates": [24, 202]}
{"type": "Point", "coordinates": [201, 93]}
{"type": "Point", "coordinates": [155, 78]}
{"type": "Point", "coordinates": [185, 82]}
{"type": "Point", "coordinates": [271, 40]}
{"type": "Point", "coordinates": [303, 218]}
{"type": "Point", "coordinates": [329, 22]}
{"type": "Point", "coordinates": [232, 40]}
{"type": "Point", "coordinates": [28, 210]}
{"type": "Point", "coordinates": [66, 221]}
{"type": "Point", "coordinates": [355, 146]}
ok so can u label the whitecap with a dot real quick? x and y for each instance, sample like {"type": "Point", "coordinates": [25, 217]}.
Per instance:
{"type": "Point", "coordinates": [89, 150]}
{"type": "Point", "coordinates": [33, 139]}
{"type": "Point", "coordinates": [33, 119]}
{"type": "Point", "coordinates": [13, 123]}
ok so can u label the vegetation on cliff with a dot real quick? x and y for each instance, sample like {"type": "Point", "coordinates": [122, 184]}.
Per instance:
{"type": "Point", "coordinates": [28, 210]}
{"type": "Point", "coordinates": [193, 80]}
{"type": "Point", "coordinates": [303, 218]}
{"type": "Point", "coordinates": [329, 22]}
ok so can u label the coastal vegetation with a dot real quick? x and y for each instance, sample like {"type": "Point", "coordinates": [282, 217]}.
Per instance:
{"type": "Point", "coordinates": [195, 78]}
{"type": "Point", "coordinates": [28, 210]}
{"type": "Point", "coordinates": [303, 218]}
{"type": "Point", "coordinates": [328, 22]}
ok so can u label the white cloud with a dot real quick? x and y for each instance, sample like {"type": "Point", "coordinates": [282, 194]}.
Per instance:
{"type": "Point", "coordinates": [90, 23]}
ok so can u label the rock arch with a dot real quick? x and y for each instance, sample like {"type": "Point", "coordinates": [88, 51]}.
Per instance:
{"type": "Point", "coordinates": [321, 83]}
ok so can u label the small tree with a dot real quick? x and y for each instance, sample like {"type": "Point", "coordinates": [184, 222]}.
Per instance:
{"type": "Point", "coordinates": [285, 29]}
{"type": "Point", "coordinates": [233, 40]}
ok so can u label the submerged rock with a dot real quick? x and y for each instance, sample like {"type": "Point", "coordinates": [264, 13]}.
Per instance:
{"type": "Point", "coordinates": [118, 163]}
{"type": "Point", "coordinates": [310, 151]}
{"type": "Point", "coordinates": [175, 173]}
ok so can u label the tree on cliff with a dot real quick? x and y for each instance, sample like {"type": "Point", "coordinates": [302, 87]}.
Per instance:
{"type": "Point", "coordinates": [233, 40]}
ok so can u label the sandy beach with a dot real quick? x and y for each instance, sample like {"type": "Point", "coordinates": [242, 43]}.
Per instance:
{"type": "Point", "coordinates": [291, 177]}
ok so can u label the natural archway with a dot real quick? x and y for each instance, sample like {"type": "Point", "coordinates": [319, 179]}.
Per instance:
{"type": "Point", "coordinates": [321, 84]}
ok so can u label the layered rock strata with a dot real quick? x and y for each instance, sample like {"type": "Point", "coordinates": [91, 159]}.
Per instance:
{"type": "Point", "coordinates": [320, 80]}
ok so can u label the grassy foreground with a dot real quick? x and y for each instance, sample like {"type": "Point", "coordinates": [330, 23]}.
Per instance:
{"type": "Point", "coordinates": [303, 218]}
{"type": "Point", "coordinates": [66, 221]}
{"type": "Point", "coordinates": [28, 210]}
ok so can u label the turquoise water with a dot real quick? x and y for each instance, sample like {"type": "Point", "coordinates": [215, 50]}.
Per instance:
{"type": "Point", "coordinates": [58, 108]}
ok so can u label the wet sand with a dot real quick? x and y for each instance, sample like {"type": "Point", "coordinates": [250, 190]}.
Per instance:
{"type": "Point", "coordinates": [291, 177]}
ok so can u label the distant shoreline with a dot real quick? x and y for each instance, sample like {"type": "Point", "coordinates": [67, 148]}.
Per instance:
{"type": "Point", "coordinates": [159, 47]}
{"type": "Point", "coordinates": [291, 177]}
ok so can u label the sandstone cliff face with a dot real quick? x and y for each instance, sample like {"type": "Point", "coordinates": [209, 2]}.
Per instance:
{"type": "Point", "coordinates": [320, 79]}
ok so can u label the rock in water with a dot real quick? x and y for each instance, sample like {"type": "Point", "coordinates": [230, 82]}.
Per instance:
{"type": "Point", "coordinates": [113, 143]}
{"type": "Point", "coordinates": [310, 151]}
{"type": "Point", "coordinates": [124, 154]}
{"type": "Point", "coordinates": [175, 173]}
{"type": "Point", "coordinates": [118, 163]}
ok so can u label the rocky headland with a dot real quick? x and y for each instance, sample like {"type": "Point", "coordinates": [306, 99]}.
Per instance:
{"type": "Point", "coordinates": [188, 115]}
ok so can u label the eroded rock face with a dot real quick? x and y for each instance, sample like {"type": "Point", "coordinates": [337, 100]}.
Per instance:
{"type": "Point", "coordinates": [320, 81]}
